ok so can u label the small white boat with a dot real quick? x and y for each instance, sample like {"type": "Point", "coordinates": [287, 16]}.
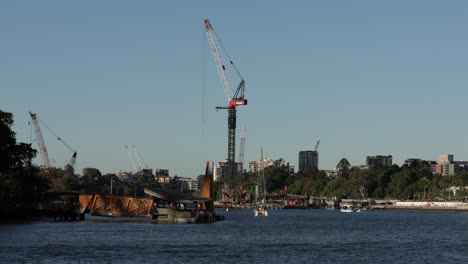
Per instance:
{"type": "Point", "coordinates": [260, 211]}
{"type": "Point", "coordinates": [346, 209]}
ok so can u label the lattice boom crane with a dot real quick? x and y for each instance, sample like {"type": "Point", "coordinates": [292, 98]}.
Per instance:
{"type": "Point", "coordinates": [40, 140]}
{"type": "Point", "coordinates": [235, 99]}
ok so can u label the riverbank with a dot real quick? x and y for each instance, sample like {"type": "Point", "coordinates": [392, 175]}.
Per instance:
{"type": "Point", "coordinates": [428, 206]}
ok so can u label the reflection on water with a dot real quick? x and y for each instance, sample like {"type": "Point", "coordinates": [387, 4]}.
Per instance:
{"type": "Point", "coordinates": [285, 236]}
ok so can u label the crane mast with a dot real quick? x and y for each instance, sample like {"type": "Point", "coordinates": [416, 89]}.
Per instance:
{"type": "Point", "coordinates": [234, 99]}
{"type": "Point", "coordinates": [40, 140]}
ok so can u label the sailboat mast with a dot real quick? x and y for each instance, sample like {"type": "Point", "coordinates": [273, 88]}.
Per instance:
{"type": "Point", "coordinates": [263, 176]}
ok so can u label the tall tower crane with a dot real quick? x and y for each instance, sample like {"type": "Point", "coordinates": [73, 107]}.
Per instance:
{"type": "Point", "coordinates": [40, 140]}
{"type": "Point", "coordinates": [235, 99]}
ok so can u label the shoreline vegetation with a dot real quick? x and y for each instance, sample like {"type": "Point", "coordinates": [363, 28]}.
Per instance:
{"type": "Point", "coordinates": [23, 184]}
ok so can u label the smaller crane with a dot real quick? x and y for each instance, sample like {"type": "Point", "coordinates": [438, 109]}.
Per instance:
{"type": "Point", "coordinates": [242, 149]}
{"type": "Point", "coordinates": [41, 143]}
{"type": "Point", "coordinates": [316, 146]}
{"type": "Point", "coordinates": [138, 158]}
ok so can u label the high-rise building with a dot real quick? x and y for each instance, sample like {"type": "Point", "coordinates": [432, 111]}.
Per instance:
{"type": "Point", "coordinates": [379, 160]}
{"type": "Point", "coordinates": [220, 169]}
{"type": "Point", "coordinates": [445, 166]}
{"type": "Point", "coordinates": [308, 160]}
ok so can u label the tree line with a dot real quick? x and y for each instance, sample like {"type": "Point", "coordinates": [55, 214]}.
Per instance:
{"type": "Point", "coordinates": [22, 183]}
{"type": "Point", "coordinates": [408, 182]}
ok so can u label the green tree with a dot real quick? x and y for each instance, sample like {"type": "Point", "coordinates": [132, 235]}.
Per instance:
{"type": "Point", "coordinates": [338, 187]}
{"type": "Point", "coordinates": [13, 155]}
{"type": "Point", "coordinates": [343, 168]}
{"type": "Point", "coordinates": [360, 180]}
{"type": "Point", "coordinates": [403, 184]}
{"type": "Point", "coordinates": [383, 176]}
{"type": "Point", "coordinates": [20, 183]}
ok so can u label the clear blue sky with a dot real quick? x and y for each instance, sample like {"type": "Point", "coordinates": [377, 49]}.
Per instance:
{"type": "Point", "coordinates": [364, 77]}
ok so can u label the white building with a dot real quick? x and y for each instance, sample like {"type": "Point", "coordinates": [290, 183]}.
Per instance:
{"type": "Point", "coordinates": [257, 165]}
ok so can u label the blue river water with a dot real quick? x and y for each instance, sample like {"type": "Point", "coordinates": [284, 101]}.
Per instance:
{"type": "Point", "coordinates": [285, 236]}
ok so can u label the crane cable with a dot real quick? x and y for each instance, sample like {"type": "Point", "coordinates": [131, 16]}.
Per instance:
{"type": "Point", "coordinates": [227, 55]}
{"type": "Point", "coordinates": [42, 122]}
{"type": "Point", "coordinates": [203, 78]}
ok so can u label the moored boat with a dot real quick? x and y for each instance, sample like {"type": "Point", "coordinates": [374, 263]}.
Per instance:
{"type": "Point", "coordinates": [260, 211]}
{"type": "Point", "coordinates": [346, 209]}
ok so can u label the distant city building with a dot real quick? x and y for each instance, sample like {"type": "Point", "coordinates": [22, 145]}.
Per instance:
{"type": "Point", "coordinates": [257, 165]}
{"type": "Point", "coordinates": [184, 184]}
{"type": "Point", "coordinates": [445, 166]}
{"type": "Point", "coordinates": [461, 166]}
{"type": "Point", "coordinates": [379, 160]}
{"type": "Point", "coordinates": [125, 176]}
{"type": "Point", "coordinates": [432, 164]}
{"type": "Point", "coordinates": [308, 160]}
{"type": "Point", "coordinates": [409, 162]}
{"type": "Point", "coordinates": [147, 173]}
{"type": "Point", "coordinates": [162, 176]}
{"type": "Point", "coordinates": [162, 172]}
{"type": "Point", "coordinates": [360, 167]}
{"type": "Point", "coordinates": [332, 173]}
{"type": "Point", "coordinates": [220, 169]}
{"type": "Point", "coordinates": [446, 158]}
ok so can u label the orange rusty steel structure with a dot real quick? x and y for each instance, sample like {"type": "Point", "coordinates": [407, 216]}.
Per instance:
{"type": "Point", "coordinates": [109, 205]}
{"type": "Point", "coordinates": [207, 187]}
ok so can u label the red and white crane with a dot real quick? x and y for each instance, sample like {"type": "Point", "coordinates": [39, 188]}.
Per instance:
{"type": "Point", "coordinates": [235, 99]}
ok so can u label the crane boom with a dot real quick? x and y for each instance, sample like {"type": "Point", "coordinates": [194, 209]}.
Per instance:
{"type": "Point", "coordinates": [129, 154]}
{"type": "Point", "coordinates": [138, 157]}
{"type": "Point", "coordinates": [213, 40]}
{"type": "Point", "coordinates": [40, 140]}
{"type": "Point", "coordinates": [316, 146]}
{"type": "Point", "coordinates": [73, 160]}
